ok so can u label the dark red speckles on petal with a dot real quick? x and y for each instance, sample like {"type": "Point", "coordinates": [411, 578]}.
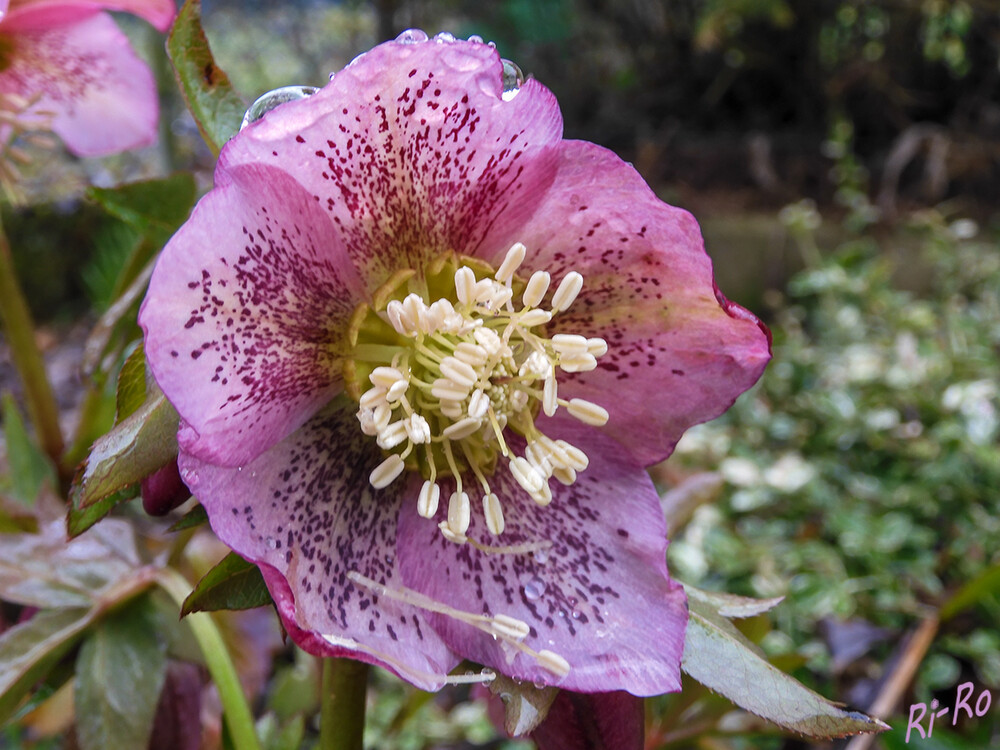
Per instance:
{"type": "Point", "coordinates": [305, 511]}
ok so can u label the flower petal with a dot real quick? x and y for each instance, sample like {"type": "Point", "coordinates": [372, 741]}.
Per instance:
{"type": "Point", "coordinates": [599, 596]}
{"type": "Point", "coordinates": [246, 315]}
{"type": "Point", "coordinates": [603, 721]}
{"type": "Point", "coordinates": [678, 352]}
{"type": "Point", "coordinates": [413, 152]}
{"type": "Point", "coordinates": [160, 13]}
{"type": "Point", "coordinates": [305, 513]}
{"type": "Point", "coordinates": [85, 82]}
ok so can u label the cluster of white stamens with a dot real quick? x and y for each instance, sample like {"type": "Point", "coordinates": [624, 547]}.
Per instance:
{"type": "Point", "coordinates": [471, 369]}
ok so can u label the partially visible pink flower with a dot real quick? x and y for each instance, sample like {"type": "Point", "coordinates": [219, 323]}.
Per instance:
{"type": "Point", "coordinates": [66, 67]}
{"type": "Point", "coordinates": [423, 350]}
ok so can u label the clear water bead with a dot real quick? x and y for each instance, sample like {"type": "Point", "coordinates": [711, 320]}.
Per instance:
{"type": "Point", "coordinates": [444, 36]}
{"type": "Point", "coordinates": [513, 78]}
{"type": "Point", "coordinates": [534, 589]}
{"type": "Point", "coordinates": [476, 39]}
{"type": "Point", "coordinates": [412, 36]}
{"type": "Point", "coordinates": [541, 556]}
{"type": "Point", "coordinates": [275, 98]}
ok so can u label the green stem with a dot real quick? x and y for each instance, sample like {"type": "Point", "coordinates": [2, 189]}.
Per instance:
{"type": "Point", "coordinates": [20, 331]}
{"type": "Point", "coordinates": [239, 720]}
{"type": "Point", "coordinates": [342, 721]}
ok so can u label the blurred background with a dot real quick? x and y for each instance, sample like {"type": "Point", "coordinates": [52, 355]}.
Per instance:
{"type": "Point", "coordinates": [843, 159]}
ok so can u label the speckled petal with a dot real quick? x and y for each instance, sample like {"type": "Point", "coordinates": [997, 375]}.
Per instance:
{"type": "Point", "coordinates": [160, 13]}
{"type": "Point", "coordinates": [305, 513]}
{"type": "Point", "coordinates": [412, 151]}
{"type": "Point", "coordinates": [246, 315]}
{"type": "Point", "coordinates": [599, 596]}
{"type": "Point", "coordinates": [678, 352]}
{"type": "Point", "coordinates": [91, 89]}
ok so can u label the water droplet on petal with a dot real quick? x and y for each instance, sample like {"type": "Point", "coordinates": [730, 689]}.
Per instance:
{"type": "Point", "coordinates": [541, 556]}
{"type": "Point", "coordinates": [539, 685]}
{"type": "Point", "coordinates": [271, 542]}
{"type": "Point", "coordinates": [575, 615]}
{"type": "Point", "coordinates": [572, 601]}
{"type": "Point", "coordinates": [272, 99]}
{"type": "Point", "coordinates": [189, 477]}
{"type": "Point", "coordinates": [444, 36]}
{"type": "Point", "coordinates": [476, 39]}
{"type": "Point", "coordinates": [513, 78]}
{"type": "Point", "coordinates": [412, 36]}
{"type": "Point", "coordinates": [534, 588]}
{"type": "Point", "coordinates": [389, 559]}
{"type": "Point", "coordinates": [562, 613]}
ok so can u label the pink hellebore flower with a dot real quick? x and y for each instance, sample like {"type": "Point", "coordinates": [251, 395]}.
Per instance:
{"type": "Point", "coordinates": [66, 67]}
{"type": "Point", "coordinates": [378, 383]}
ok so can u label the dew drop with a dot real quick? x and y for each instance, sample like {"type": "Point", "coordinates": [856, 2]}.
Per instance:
{"type": "Point", "coordinates": [562, 613]}
{"type": "Point", "coordinates": [444, 36]}
{"type": "Point", "coordinates": [601, 633]}
{"type": "Point", "coordinates": [412, 36]}
{"type": "Point", "coordinates": [272, 99]}
{"type": "Point", "coordinates": [476, 39]}
{"type": "Point", "coordinates": [534, 588]}
{"type": "Point", "coordinates": [572, 601]}
{"type": "Point", "coordinates": [389, 559]}
{"type": "Point", "coordinates": [541, 556]}
{"type": "Point", "coordinates": [189, 477]}
{"type": "Point", "coordinates": [576, 614]}
{"type": "Point", "coordinates": [271, 542]}
{"type": "Point", "coordinates": [539, 685]}
{"type": "Point", "coordinates": [512, 80]}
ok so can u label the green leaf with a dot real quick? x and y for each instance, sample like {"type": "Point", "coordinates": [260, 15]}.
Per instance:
{"type": "Point", "coordinates": [287, 737]}
{"type": "Point", "coordinates": [972, 592]}
{"type": "Point", "coordinates": [209, 95]}
{"type": "Point", "coordinates": [719, 657]}
{"type": "Point", "coordinates": [131, 391]}
{"type": "Point", "coordinates": [155, 208]}
{"type": "Point", "coordinates": [730, 605]}
{"type": "Point", "coordinates": [136, 447]}
{"type": "Point", "coordinates": [119, 674]}
{"type": "Point", "coordinates": [29, 650]}
{"type": "Point", "coordinates": [192, 519]}
{"type": "Point", "coordinates": [79, 519]}
{"type": "Point", "coordinates": [30, 468]}
{"type": "Point", "coordinates": [525, 706]}
{"type": "Point", "coordinates": [232, 584]}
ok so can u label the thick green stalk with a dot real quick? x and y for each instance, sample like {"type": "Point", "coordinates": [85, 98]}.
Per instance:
{"type": "Point", "coordinates": [342, 721]}
{"type": "Point", "coordinates": [235, 709]}
{"type": "Point", "coordinates": [20, 332]}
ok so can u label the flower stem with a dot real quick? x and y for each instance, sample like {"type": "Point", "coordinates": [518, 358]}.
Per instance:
{"type": "Point", "coordinates": [342, 721]}
{"type": "Point", "coordinates": [20, 332]}
{"type": "Point", "coordinates": [239, 720]}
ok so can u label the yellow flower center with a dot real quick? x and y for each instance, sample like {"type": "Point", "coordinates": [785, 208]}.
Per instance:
{"type": "Point", "coordinates": [446, 364]}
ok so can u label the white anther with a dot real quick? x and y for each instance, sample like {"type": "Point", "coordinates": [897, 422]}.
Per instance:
{"type": "Point", "coordinates": [432, 319]}
{"type": "Point", "coordinates": [576, 458]}
{"type": "Point", "coordinates": [397, 391]}
{"type": "Point", "coordinates": [450, 535]}
{"type": "Point", "coordinates": [569, 343]}
{"type": "Point", "coordinates": [415, 309]}
{"type": "Point", "coordinates": [484, 289]}
{"type": "Point", "coordinates": [526, 475]}
{"type": "Point", "coordinates": [537, 286]}
{"type": "Point", "coordinates": [539, 458]}
{"type": "Point", "coordinates": [556, 454]}
{"type": "Point", "coordinates": [479, 404]}
{"type": "Point", "coordinates": [471, 354]}
{"type": "Point", "coordinates": [465, 281]}
{"type": "Point", "coordinates": [518, 400]}
{"type": "Point", "coordinates": [428, 499]}
{"type": "Point", "coordinates": [550, 399]}
{"type": "Point", "coordinates": [587, 412]}
{"type": "Point", "coordinates": [493, 512]}
{"type": "Point", "coordinates": [512, 261]}
{"type": "Point", "coordinates": [367, 422]}
{"type": "Point", "coordinates": [534, 318]}
{"type": "Point", "coordinates": [551, 661]}
{"type": "Point", "coordinates": [386, 472]}
{"type": "Point", "coordinates": [418, 430]}
{"type": "Point", "coordinates": [565, 295]}
{"type": "Point", "coordinates": [544, 495]}
{"type": "Point", "coordinates": [391, 436]}
{"type": "Point", "coordinates": [459, 372]}
{"type": "Point", "coordinates": [399, 319]}
{"type": "Point", "coordinates": [564, 475]}
{"type": "Point", "coordinates": [489, 340]}
{"type": "Point", "coordinates": [510, 627]}
{"type": "Point", "coordinates": [452, 409]}
{"type": "Point", "coordinates": [381, 416]}
{"type": "Point", "coordinates": [584, 362]}
{"type": "Point", "coordinates": [501, 296]}
{"type": "Point", "coordinates": [372, 398]}
{"type": "Point", "coordinates": [537, 365]}
{"type": "Point", "coordinates": [443, 389]}
{"type": "Point", "coordinates": [385, 377]}
{"type": "Point", "coordinates": [461, 429]}
{"type": "Point", "coordinates": [441, 315]}
{"type": "Point", "coordinates": [598, 347]}
{"type": "Point", "coordinates": [459, 513]}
